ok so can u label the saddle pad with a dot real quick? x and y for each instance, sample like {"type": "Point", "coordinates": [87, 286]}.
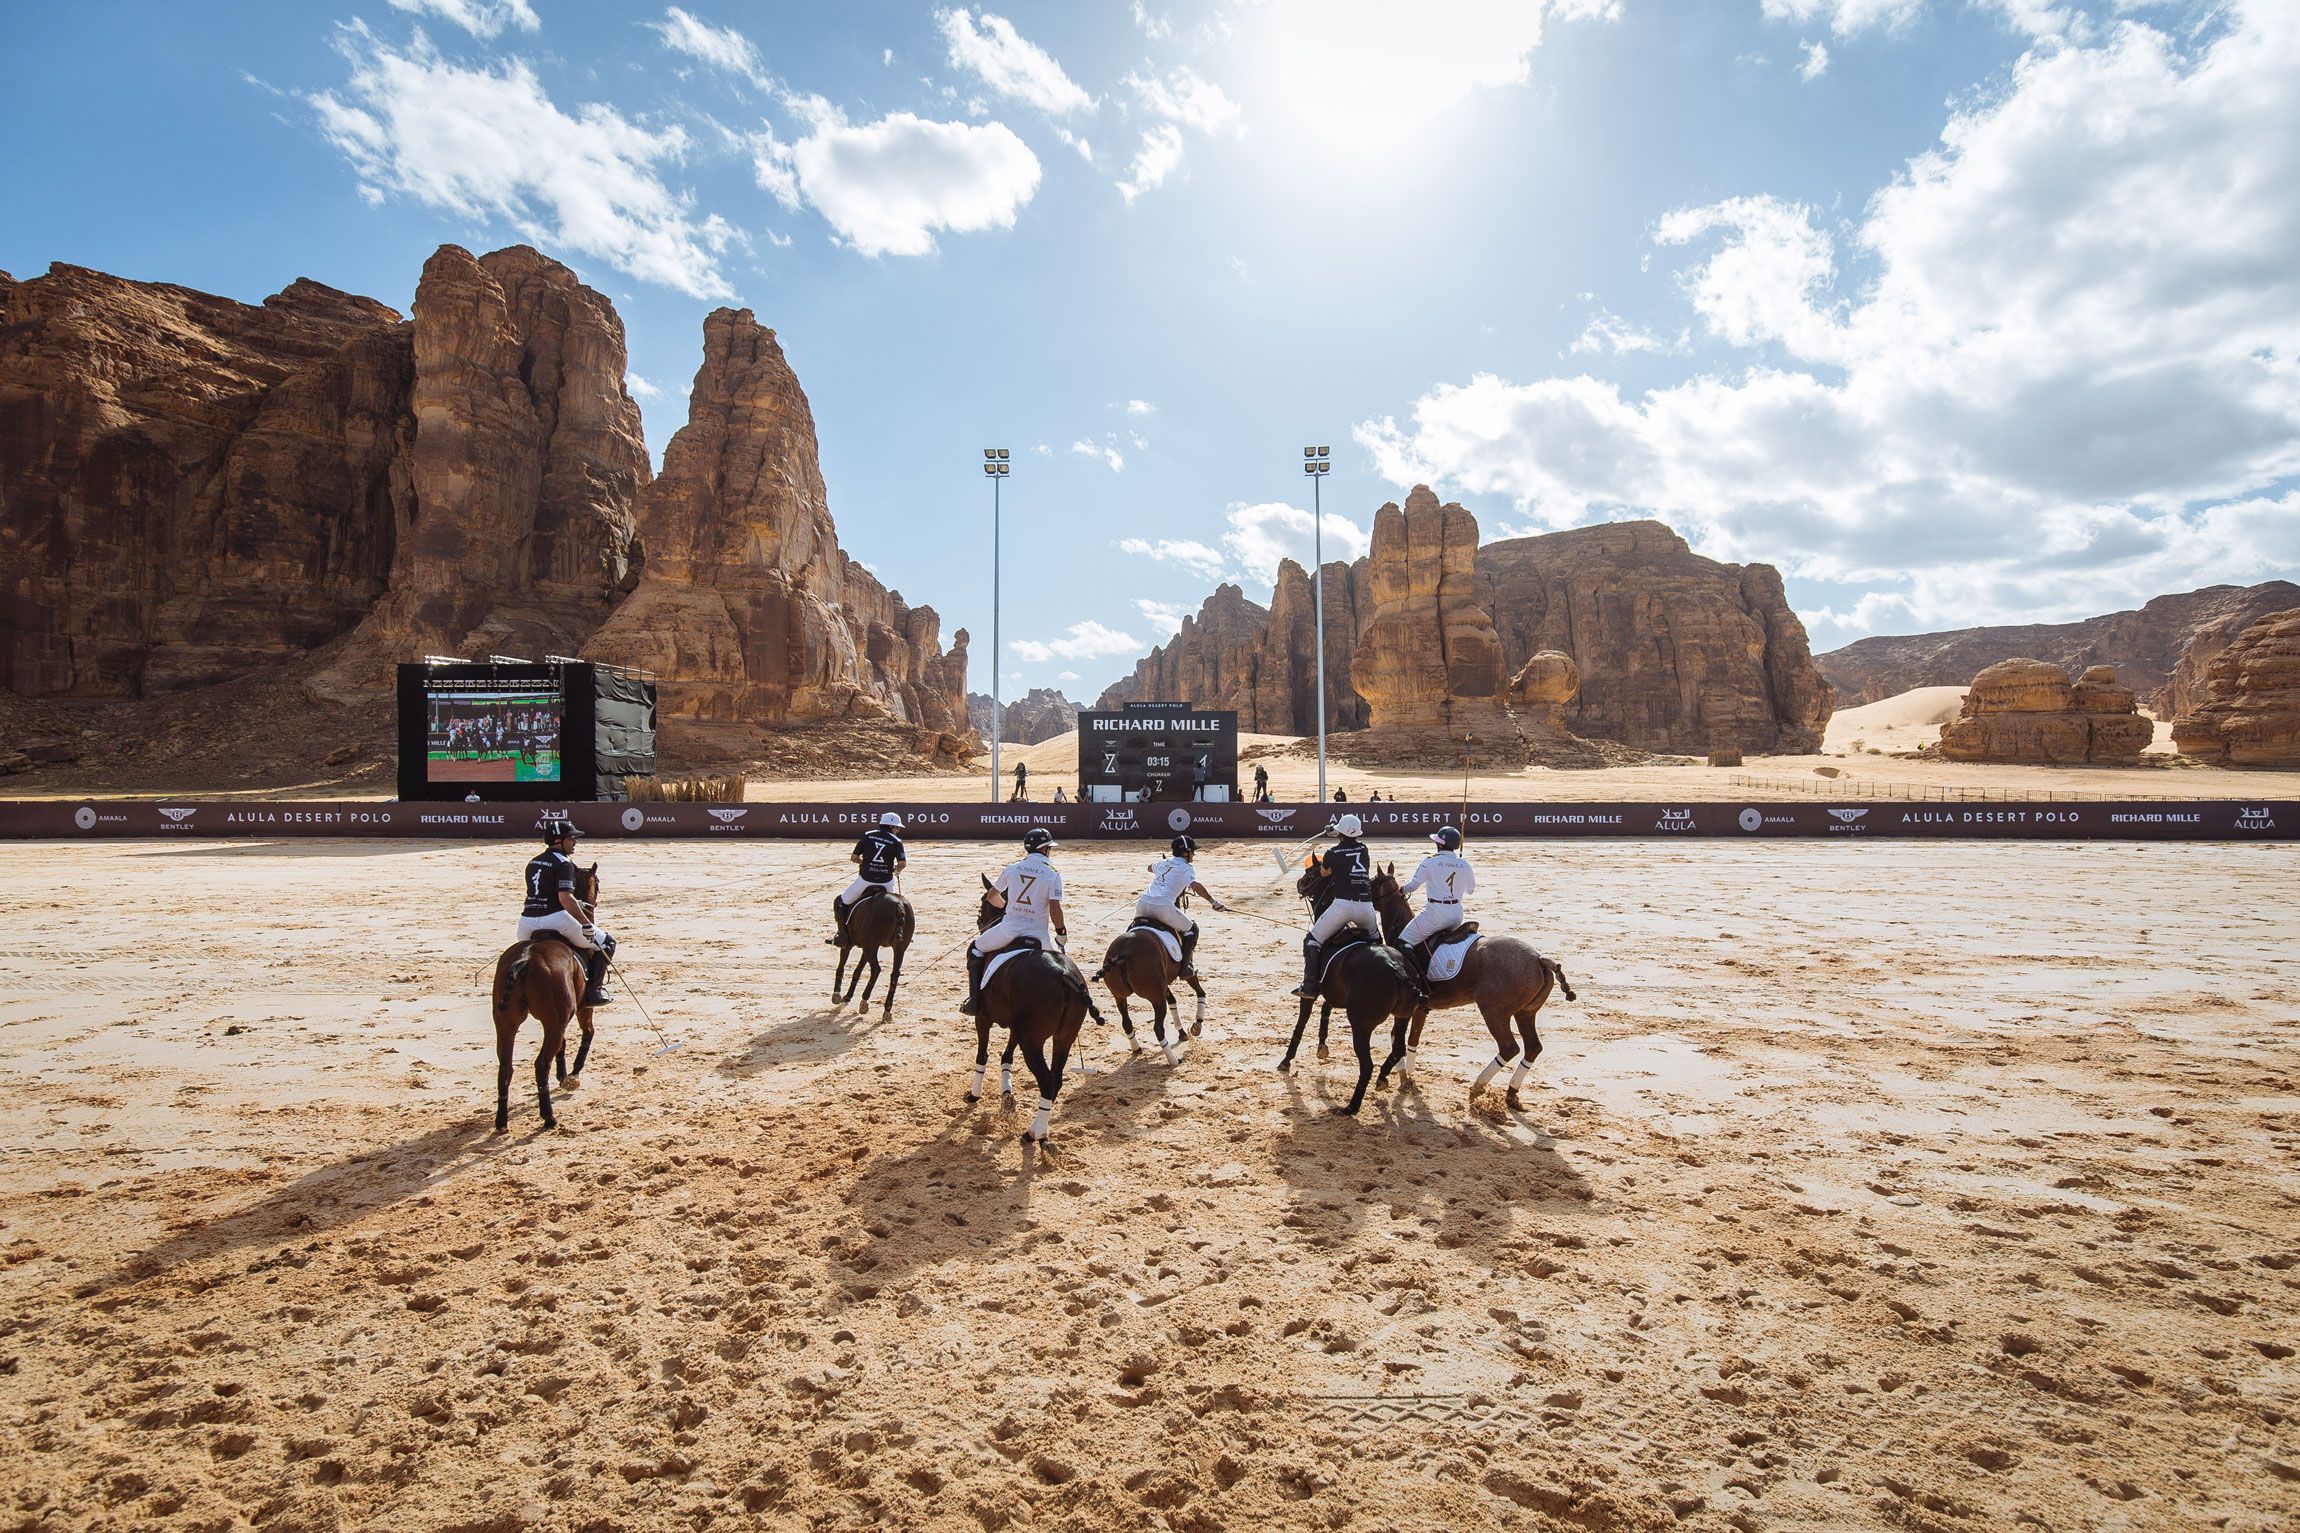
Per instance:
{"type": "Point", "coordinates": [1347, 938]}
{"type": "Point", "coordinates": [1446, 961]}
{"type": "Point", "coordinates": [998, 960]}
{"type": "Point", "coordinates": [1173, 943]}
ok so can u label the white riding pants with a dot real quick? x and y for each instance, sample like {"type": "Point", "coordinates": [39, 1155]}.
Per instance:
{"type": "Point", "coordinates": [856, 890]}
{"type": "Point", "coordinates": [1010, 927]}
{"type": "Point", "coordinates": [1165, 913]}
{"type": "Point", "coordinates": [1343, 913]}
{"type": "Point", "coordinates": [558, 921]}
{"type": "Point", "coordinates": [1435, 917]}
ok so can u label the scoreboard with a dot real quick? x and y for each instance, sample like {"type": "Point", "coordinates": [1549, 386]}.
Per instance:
{"type": "Point", "coordinates": [1156, 751]}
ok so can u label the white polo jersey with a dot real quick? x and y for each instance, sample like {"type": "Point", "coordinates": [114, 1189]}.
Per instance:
{"type": "Point", "coordinates": [1170, 879]}
{"type": "Point", "coordinates": [1030, 886]}
{"type": "Point", "coordinates": [1446, 878]}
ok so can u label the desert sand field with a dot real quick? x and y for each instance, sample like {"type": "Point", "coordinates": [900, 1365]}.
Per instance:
{"type": "Point", "coordinates": [1891, 1185]}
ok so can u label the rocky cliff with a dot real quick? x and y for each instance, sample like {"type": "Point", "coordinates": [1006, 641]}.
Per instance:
{"type": "Point", "coordinates": [1427, 653]}
{"type": "Point", "coordinates": [2248, 714]}
{"type": "Point", "coordinates": [2024, 710]}
{"type": "Point", "coordinates": [1040, 714]}
{"type": "Point", "coordinates": [195, 491]}
{"type": "Point", "coordinates": [1674, 652]}
{"type": "Point", "coordinates": [2145, 647]}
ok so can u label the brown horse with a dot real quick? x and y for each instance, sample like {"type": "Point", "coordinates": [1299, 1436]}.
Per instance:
{"type": "Point", "coordinates": [1137, 964]}
{"type": "Point", "coordinates": [542, 977]}
{"type": "Point", "coordinates": [1042, 1000]}
{"type": "Point", "coordinates": [1507, 980]}
{"type": "Point", "coordinates": [1368, 981]}
{"type": "Point", "coordinates": [874, 921]}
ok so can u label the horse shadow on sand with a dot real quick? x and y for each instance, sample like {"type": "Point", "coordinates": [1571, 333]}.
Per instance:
{"type": "Point", "coordinates": [1458, 1176]}
{"type": "Point", "coordinates": [326, 1198]}
{"type": "Point", "coordinates": [808, 1038]}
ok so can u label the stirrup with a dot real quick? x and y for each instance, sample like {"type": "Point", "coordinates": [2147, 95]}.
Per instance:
{"type": "Point", "coordinates": [971, 1006]}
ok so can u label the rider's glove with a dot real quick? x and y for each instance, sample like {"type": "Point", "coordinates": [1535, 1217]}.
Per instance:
{"type": "Point", "coordinates": [592, 935]}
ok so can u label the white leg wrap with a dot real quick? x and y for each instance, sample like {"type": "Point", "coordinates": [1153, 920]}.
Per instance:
{"type": "Point", "coordinates": [1517, 1076]}
{"type": "Point", "coordinates": [1006, 1080]}
{"type": "Point", "coordinates": [1406, 1065]}
{"type": "Point", "coordinates": [1170, 1055]}
{"type": "Point", "coordinates": [1038, 1123]}
{"type": "Point", "coordinates": [976, 1088]}
{"type": "Point", "coordinates": [1492, 1069]}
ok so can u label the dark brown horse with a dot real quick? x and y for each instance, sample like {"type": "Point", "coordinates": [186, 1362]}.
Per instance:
{"type": "Point", "coordinates": [1368, 981]}
{"type": "Point", "coordinates": [1041, 999]}
{"type": "Point", "coordinates": [1506, 980]}
{"type": "Point", "coordinates": [542, 977]}
{"type": "Point", "coordinates": [1137, 964]}
{"type": "Point", "coordinates": [874, 921]}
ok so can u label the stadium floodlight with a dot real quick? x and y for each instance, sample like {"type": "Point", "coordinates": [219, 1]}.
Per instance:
{"type": "Point", "coordinates": [995, 466]}
{"type": "Point", "coordinates": [1315, 464]}
{"type": "Point", "coordinates": [445, 660]}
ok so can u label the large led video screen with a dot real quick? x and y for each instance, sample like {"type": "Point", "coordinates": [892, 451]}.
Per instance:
{"type": "Point", "coordinates": [484, 731]}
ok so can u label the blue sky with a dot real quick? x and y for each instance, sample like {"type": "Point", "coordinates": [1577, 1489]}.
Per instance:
{"type": "Point", "coordinates": [1958, 312]}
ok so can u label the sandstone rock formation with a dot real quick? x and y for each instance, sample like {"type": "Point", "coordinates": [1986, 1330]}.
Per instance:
{"type": "Point", "coordinates": [2150, 647]}
{"type": "Point", "coordinates": [2029, 711]}
{"type": "Point", "coordinates": [1543, 686]}
{"type": "Point", "coordinates": [1260, 661]}
{"type": "Point", "coordinates": [1676, 652]}
{"type": "Point", "coordinates": [190, 487]}
{"type": "Point", "coordinates": [1040, 714]}
{"type": "Point", "coordinates": [194, 491]}
{"type": "Point", "coordinates": [748, 611]}
{"type": "Point", "coordinates": [1427, 652]}
{"type": "Point", "coordinates": [2249, 714]}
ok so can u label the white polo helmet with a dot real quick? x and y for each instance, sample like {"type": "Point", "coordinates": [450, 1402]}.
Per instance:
{"type": "Point", "coordinates": [1350, 825]}
{"type": "Point", "coordinates": [891, 820]}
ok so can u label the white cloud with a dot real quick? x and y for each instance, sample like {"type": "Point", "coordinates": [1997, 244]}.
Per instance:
{"type": "Point", "coordinates": [1010, 63]}
{"type": "Point", "coordinates": [1156, 28]}
{"type": "Point", "coordinates": [481, 18]}
{"type": "Point", "coordinates": [1816, 62]}
{"type": "Point", "coordinates": [1043, 450]}
{"type": "Point", "coordinates": [1197, 558]}
{"type": "Point", "coordinates": [1607, 331]}
{"type": "Point", "coordinates": [1066, 676]}
{"type": "Point", "coordinates": [887, 186]}
{"type": "Point", "coordinates": [1140, 407]}
{"type": "Point", "coordinates": [1850, 18]}
{"type": "Point", "coordinates": [1077, 142]}
{"type": "Point", "coordinates": [490, 144]}
{"type": "Point", "coordinates": [2071, 383]}
{"type": "Point", "coordinates": [1087, 641]}
{"type": "Point", "coordinates": [640, 388]}
{"type": "Point", "coordinates": [1107, 454]}
{"type": "Point", "coordinates": [1154, 161]}
{"type": "Point", "coordinates": [1184, 99]}
{"type": "Point", "coordinates": [1262, 534]}
{"type": "Point", "coordinates": [1164, 617]}
{"type": "Point", "coordinates": [720, 47]}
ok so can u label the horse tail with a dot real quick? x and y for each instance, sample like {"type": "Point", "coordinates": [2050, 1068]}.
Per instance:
{"type": "Point", "coordinates": [1075, 982]}
{"type": "Point", "coordinates": [1558, 970]}
{"type": "Point", "coordinates": [508, 975]}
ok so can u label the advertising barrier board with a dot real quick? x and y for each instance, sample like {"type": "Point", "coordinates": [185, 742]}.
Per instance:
{"type": "Point", "coordinates": [201, 819]}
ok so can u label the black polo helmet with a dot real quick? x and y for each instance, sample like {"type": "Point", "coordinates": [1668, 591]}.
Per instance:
{"type": "Point", "coordinates": [1038, 839]}
{"type": "Point", "coordinates": [556, 826]}
{"type": "Point", "coordinates": [1183, 846]}
{"type": "Point", "coordinates": [1447, 838]}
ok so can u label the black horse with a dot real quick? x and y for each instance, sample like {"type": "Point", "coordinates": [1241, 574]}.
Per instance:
{"type": "Point", "coordinates": [1368, 980]}
{"type": "Point", "coordinates": [876, 921]}
{"type": "Point", "coordinates": [1042, 1000]}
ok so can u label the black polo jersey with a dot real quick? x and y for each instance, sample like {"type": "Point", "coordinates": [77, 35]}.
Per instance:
{"type": "Point", "coordinates": [547, 874]}
{"type": "Point", "coordinates": [1350, 867]}
{"type": "Point", "coordinates": [880, 849]}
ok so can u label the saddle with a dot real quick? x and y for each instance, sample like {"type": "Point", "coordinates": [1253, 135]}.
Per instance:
{"type": "Point", "coordinates": [870, 892]}
{"type": "Point", "coordinates": [998, 960]}
{"type": "Point", "coordinates": [1165, 935]}
{"type": "Point", "coordinates": [559, 937]}
{"type": "Point", "coordinates": [1460, 931]}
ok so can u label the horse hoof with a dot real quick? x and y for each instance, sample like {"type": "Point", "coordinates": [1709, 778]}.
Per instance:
{"type": "Point", "coordinates": [1134, 1043]}
{"type": "Point", "coordinates": [571, 1083]}
{"type": "Point", "coordinates": [1345, 1112]}
{"type": "Point", "coordinates": [1324, 1052]}
{"type": "Point", "coordinates": [1285, 1067]}
{"type": "Point", "coordinates": [1511, 1098]}
{"type": "Point", "coordinates": [974, 1096]}
{"type": "Point", "coordinates": [1198, 1027]}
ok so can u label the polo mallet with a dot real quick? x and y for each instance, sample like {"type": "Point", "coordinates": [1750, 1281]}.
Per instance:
{"type": "Point", "coordinates": [624, 980]}
{"type": "Point", "coordinates": [1284, 855]}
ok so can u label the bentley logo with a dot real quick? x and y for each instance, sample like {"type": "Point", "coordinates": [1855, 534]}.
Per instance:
{"type": "Point", "coordinates": [179, 815]}
{"type": "Point", "coordinates": [1847, 816]}
{"type": "Point", "coordinates": [728, 816]}
{"type": "Point", "coordinates": [1276, 816]}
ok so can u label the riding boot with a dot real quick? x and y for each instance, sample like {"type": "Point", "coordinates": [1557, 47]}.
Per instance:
{"type": "Point", "coordinates": [838, 922]}
{"type": "Point", "coordinates": [1189, 946]}
{"type": "Point", "coordinates": [595, 979]}
{"type": "Point", "coordinates": [1310, 975]}
{"type": "Point", "coordinates": [975, 963]}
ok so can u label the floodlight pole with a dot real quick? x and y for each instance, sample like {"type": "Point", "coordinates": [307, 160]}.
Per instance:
{"type": "Point", "coordinates": [996, 471]}
{"type": "Point", "coordinates": [1314, 461]}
